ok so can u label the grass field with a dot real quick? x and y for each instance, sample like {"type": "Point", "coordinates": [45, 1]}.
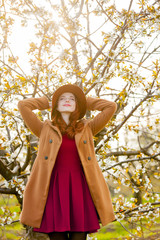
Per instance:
{"type": "Point", "coordinates": [112, 231]}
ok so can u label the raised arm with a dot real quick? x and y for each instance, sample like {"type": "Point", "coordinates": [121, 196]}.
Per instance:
{"type": "Point", "coordinates": [26, 107]}
{"type": "Point", "coordinates": [107, 109]}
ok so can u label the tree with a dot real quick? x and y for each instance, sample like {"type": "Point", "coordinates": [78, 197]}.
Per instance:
{"type": "Point", "coordinates": [110, 52]}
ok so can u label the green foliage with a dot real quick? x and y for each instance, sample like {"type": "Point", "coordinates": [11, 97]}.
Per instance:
{"type": "Point", "coordinates": [12, 232]}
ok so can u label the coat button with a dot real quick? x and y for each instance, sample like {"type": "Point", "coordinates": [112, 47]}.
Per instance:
{"type": "Point", "coordinates": [84, 141]}
{"type": "Point", "coordinates": [50, 141]}
{"type": "Point", "coordinates": [89, 158]}
{"type": "Point", "coordinates": [45, 157]}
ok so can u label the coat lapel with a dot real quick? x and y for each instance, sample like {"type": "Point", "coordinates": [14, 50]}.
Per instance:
{"type": "Point", "coordinates": [56, 129]}
{"type": "Point", "coordinates": [80, 134]}
{"type": "Point", "coordinates": [77, 138]}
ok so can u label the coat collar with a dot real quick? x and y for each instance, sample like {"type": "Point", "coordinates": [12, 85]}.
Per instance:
{"type": "Point", "coordinates": [56, 129]}
{"type": "Point", "coordinates": [77, 136]}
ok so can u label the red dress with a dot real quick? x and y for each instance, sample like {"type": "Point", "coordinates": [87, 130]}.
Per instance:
{"type": "Point", "coordinates": [69, 205]}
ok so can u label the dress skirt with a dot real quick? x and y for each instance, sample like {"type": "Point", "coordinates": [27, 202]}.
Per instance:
{"type": "Point", "coordinates": [69, 206]}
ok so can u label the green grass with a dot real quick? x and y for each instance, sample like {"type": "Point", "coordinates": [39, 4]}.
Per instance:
{"type": "Point", "coordinates": [10, 200]}
{"type": "Point", "coordinates": [114, 231]}
{"type": "Point", "coordinates": [15, 230]}
{"type": "Point", "coordinates": [110, 232]}
{"type": "Point", "coordinates": [11, 232]}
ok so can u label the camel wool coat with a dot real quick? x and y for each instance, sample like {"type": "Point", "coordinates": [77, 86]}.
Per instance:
{"type": "Point", "coordinates": [50, 139]}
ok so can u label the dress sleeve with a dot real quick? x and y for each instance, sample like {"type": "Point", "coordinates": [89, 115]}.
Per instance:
{"type": "Point", "coordinates": [107, 109]}
{"type": "Point", "coordinates": [26, 108]}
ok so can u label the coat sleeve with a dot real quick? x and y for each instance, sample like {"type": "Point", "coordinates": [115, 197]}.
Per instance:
{"type": "Point", "coordinates": [107, 109]}
{"type": "Point", "coordinates": [26, 108]}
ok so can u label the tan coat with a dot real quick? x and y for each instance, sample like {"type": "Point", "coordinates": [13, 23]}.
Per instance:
{"type": "Point", "coordinates": [36, 191]}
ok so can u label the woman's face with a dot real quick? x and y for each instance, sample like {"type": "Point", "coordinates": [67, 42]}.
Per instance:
{"type": "Point", "coordinates": [66, 103]}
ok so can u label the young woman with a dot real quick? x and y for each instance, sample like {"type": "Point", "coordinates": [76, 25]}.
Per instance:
{"type": "Point", "coordinates": [66, 194]}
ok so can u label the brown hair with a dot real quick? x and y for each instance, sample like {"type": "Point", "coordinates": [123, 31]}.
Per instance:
{"type": "Point", "coordinates": [74, 125]}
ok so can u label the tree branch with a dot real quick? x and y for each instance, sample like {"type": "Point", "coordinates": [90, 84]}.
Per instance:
{"type": "Point", "coordinates": [80, 9]}
{"type": "Point", "coordinates": [7, 191]}
{"type": "Point", "coordinates": [95, 57]}
{"type": "Point", "coordinates": [134, 160]}
{"type": "Point", "coordinates": [132, 153]}
{"type": "Point", "coordinates": [126, 118]}
{"type": "Point", "coordinates": [5, 171]}
{"type": "Point", "coordinates": [142, 206]}
{"type": "Point", "coordinates": [107, 14]}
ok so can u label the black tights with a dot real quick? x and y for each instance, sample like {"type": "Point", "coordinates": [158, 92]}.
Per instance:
{"type": "Point", "coordinates": [67, 236]}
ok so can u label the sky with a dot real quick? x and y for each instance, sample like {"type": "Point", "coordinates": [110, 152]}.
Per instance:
{"type": "Point", "coordinates": [21, 36]}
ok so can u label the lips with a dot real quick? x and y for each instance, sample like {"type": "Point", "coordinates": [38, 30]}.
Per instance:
{"type": "Point", "coordinates": [67, 105]}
